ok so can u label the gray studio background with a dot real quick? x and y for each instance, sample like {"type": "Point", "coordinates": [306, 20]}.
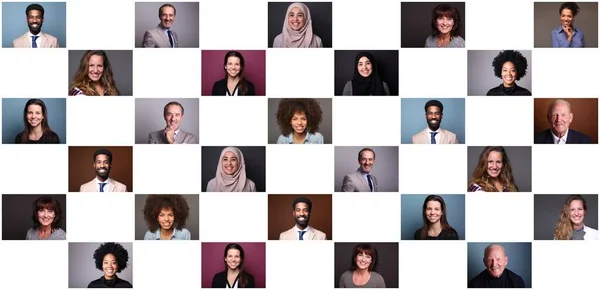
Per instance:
{"type": "Point", "coordinates": [411, 207]}
{"type": "Point", "coordinates": [17, 210]}
{"type": "Point", "coordinates": [149, 117]}
{"type": "Point", "coordinates": [12, 117]}
{"type": "Point", "coordinates": [192, 224]}
{"type": "Point", "coordinates": [385, 168]}
{"type": "Point", "coordinates": [547, 18]}
{"type": "Point", "coordinates": [82, 267]}
{"type": "Point", "coordinates": [324, 127]}
{"type": "Point", "coordinates": [14, 23]}
{"type": "Point", "coordinates": [548, 207]}
{"type": "Point", "coordinates": [413, 119]}
{"type": "Point", "coordinates": [520, 160]}
{"type": "Point", "coordinates": [416, 21]}
{"type": "Point", "coordinates": [186, 23]}
{"type": "Point", "coordinates": [254, 157]}
{"type": "Point", "coordinates": [480, 74]}
{"type": "Point", "coordinates": [388, 261]}
{"type": "Point", "coordinates": [122, 67]}
{"type": "Point", "coordinates": [519, 260]}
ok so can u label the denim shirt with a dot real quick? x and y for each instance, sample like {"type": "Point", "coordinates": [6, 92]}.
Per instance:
{"type": "Point", "coordinates": [182, 234]}
{"type": "Point", "coordinates": [315, 138]}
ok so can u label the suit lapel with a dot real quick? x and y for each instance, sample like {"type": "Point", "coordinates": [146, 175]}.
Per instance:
{"type": "Point", "coordinates": [26, 41]}
{"type": "Point", "coordinates": [362, 180]}
{"type": "Point", "coordinates": [163, 36]}
{"type": "Point", "coordinates": [549, 137]}
{"type": "Point", "coordinates": [180, 137]}
{"type": "Point", "coordinates": [113, 185]}
{"type": "Point", "coordinates": [310, 234]}
{"type": "Point", "coordinates": [42, 40]}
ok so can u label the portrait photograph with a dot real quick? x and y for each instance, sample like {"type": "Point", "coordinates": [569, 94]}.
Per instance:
{"type": "Point", "coordinates": [432, 24]}
{"type": "Point", "coordinates": [565, 121]}
{"type": "Point", "coordinates": [34, 217]}
{"type": "Point", "coordinates": [565, 217]}
{"type": "Point", "coordinates": [499, 169]}
{"type": "Point", "coordinates": [300, 121]}
{"type": "Point", "coordinates": [432, 121]}
{"type": "Point", "coordinates": [34, 121]}
{"type": "Point", "coordinates": [100, 169]}
{"type": "Point", "coordinates": [167, 121]}
{"type": "Point", "coordinates": [34, 25]}
{"type": "Point", "coordinates": [167, 216]}
{"type": "Point", "coordinates": [300, 217]}
{"type": "Point", "coordinates": [234, 265]}
{"type": "Point", "coordinates": [432, 217]}
{"type": "Point", "coordinates": [366, 169]}
{"type": "Point", "coordinates": [100, 73]}
{"type": "Point", "coordinates": [167, 25]}
{"type": "Point", "coordinates": [499, 265]}
{"type": "Point", "coordinates": [366, 265]}
{"type": "Point", "coordinates": [499, 73]}
{"type": "Point", "coordinates": [366, 73]}
{"type": "Point", "coordinates": [233, 73]}
{"type": "Point", "coordinates": [300, 25]}
{"type": "Point", "coordinates": [565, 24]}
{"type": "Point", "coordinates": [233, 169]}
{"type": "Point", "coordinates": [101, 265]}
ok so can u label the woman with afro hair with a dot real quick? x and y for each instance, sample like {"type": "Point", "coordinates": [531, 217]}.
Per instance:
{"type": "Point", "coordinates": [299, 120]}
{"type": "Point", "coordinates": [110, 258]}
{"type": "Point", "coordinates": [510, 66]}
{"type": "Point", "coordinates": [166, 215]}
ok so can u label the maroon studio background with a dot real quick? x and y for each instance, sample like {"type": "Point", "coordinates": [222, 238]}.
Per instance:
{"type": "Point", "coordinates": [585, 115]}
{"type": "Point", "coordinates": [281, 218]}
{"type": "Point", "coordinates": [213, 69]}
{"type": "Point", "coordinates": [81, 165]}
{"type": "Point", "coordinates": [213, 262]}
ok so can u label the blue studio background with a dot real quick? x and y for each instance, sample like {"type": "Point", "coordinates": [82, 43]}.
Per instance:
{"type": "Point", "coordinates": [14, 21]}
{"type": "Point", "coordinates": [411, 207]}
{"type": "Point", "coordinates": [519, 259]}
{"type": "Point", "coordinates": [414, 121]}
{"type": "Point", "coordinates": [12, 118]}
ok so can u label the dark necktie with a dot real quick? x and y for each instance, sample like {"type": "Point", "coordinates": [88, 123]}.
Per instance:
{"type": "Point", "coordinates": [33, 39]}
{"type": "Point", "coordinates": [302, 235]}
{"type": "Point", "coordinates": [169, 33]}
{"type": "Point", "coordinates": [370, 182]}
{"type": "Point", "coordinates": [102, 186]}
{"type": "Point", "coordinates": [433, 137]}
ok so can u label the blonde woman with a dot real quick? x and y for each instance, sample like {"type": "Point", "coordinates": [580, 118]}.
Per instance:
{"type": "Point", "coordinates": [94, 76]}
{"type": "Point", "coordinates": [570, 225]}
{"type": "Point", "coordinates": [493, 172]}
{"type": "Point", "coordinates": [297, 29]}
{"type": "Point", "coordinates": [231, 173]}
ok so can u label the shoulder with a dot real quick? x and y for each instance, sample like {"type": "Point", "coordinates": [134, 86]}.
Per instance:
{"type": "Point", "coordinates": [220, 276]}
{"type": "Point", "coordinates": [347, 274]}
{"type": "Point", "coordinates": [417, 235]}
{"type": "Point", "coordinates": [475, 187]}
{"type": "Point", "coordinates": [430, 41]}
{"type": "Point", "coordinates": [447, 132]}
{"type": "Point", "coordinates": [458, 41]}
{"type": "Point", "coordinates": [149, 235]}
{"type": "Point", "coordinates": [251, 183]}
{"type": "Point", "coordinates": [282, 139]}
{"type": "Point", "coordinates": [318, 40]}
{"type": "Point", "coordinates": [30, 233]}
{"type": "Point", "coordinates": [211, 184]}
{"type": "Point", "coordinates": [278, 41]}
{"type": "Point", "coordinates": [95, 283]}
{"type": "Point", "coordinates": [50, 37]}
{"type": "Point", "coordinates": [318, 138]}
{"type": "Point", "coordinates": [76, 92]}
{"type": "Point", "coordinates": [60, 234]}
{"type": "Point", "coordinates": [125, 283]}
{"type": "Point", "coordinates": [221, 82]}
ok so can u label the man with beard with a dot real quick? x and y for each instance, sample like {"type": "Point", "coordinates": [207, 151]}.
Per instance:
{"type": "Point", "coordinates": [172, 133]}
{"type": "Point", "coordinates": [302, 209]}
{"type": "Point", "coordinates": [559, 118]}
{"type": "Point", "coordinates": [362, 180]}
{"type": "Point", "coordinates": [162, 36]}
{"type": "Point", "coordinates": [433, 134]}
{"type": "Point", "coordinates": [35, 38]}
{"type": "Point", "coordinates": [496, 275]}
{"type": "Point", "coordinates": [102, 182]}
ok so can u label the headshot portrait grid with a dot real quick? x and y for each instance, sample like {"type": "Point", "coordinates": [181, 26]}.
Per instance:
{"type": "Point", "coordinates": [565, 121]}
{"type": "Point", "coordinates": [366, 73]}
{"type": "Point", "coordinates": [233, 169]}
{"type": "Point", "coordinates": [100, 73]}
{"type": "Point", "coordinates": [444, 121]}
{"type": "Point", "coordinates": [366, 169]}
{"type": "Point", "coordinates": [101, 265]}
{"type": "Point", "coordinates": [300, 217]}
{"type": "Point", "coordinates": [167, 25]}
{"type": "Point", "coordinates": [432, 24]}
{"type": "Point", "coordinates": [233, 265]}
{"type": "Point", "coordinates": [565, 24]}
{"type": "Point", "coordinates": [167, 121]}
{"type": "Point", "coordinates": [233, 73]}
{"type": "Point", "coordinates": [34, 25]}
{"type": "Point", "coordinates": [499, 265]}
{"type": "Point", "coordinates": [300, 121]}
{"type": "Point", "coordinates": [565, 217]}
{"type": "Point", "coordinates": [100, 169]}
{"type": "Point", "coordinates": [167, 217]}
{"type": "Point", "coordinates": [499, 169]}
{"type": "Point", "coordinates": [499, 73]}
{"type": "Point", "coordinates": [432, 217]}
{"type": "Point", "coordinates": [300, 25]}
{"type": "Point", "coordinates": [34, 217]}
{"type": "Point", "coordinates": [34, 121]}
{"type": "Point", "coordinates": [366, 265]}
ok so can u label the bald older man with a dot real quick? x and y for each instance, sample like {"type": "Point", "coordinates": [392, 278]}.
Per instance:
{"type": "Point", "coordinates": [560, 118]}
{"type": "Point", "coordinates": [496, 275]}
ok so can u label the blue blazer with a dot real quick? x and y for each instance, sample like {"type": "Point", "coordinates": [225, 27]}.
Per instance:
{"type": "Point", "coordinates": [574, 137]}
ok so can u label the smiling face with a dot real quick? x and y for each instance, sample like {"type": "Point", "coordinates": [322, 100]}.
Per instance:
{"type": "Point", "coordinates": [230, 163]}
{"type": "Point", "coordinates": [509, 74]}
{"type": "Point", "coordinates": [576, 212]}
{"type": "Point", "coordinates": [364, 66]}
{"type": "Point", "coordinates": [566, 18]}
{"type": "Point", "coordinates": [166, 218]}
{"type": "Point", "coordinates": [35, 20]}
{"type": "Point", "coordinates": [434, 117]}
{"type": "Point", "coordinates": [299, 122]}
{"type": "Point", "coordinates": [233, 66]}
{"type": "Point", "coordinates": [495, 261]}
{"type": "Point", "coordinates": [233, 259]}
{"type": "Point", "coordinates": [445, 24]}
{"type": "Point", "coordinates": [494, 164]}
{"type": "Point", "coordinates": [174, 116]}
{"type": "Point", "coordinates": [95, 67]}
{"type": "Point", "coordinates": [296, 19]}
{"type": "Point", "coordinates": [102, 166]}
{"type": "Point", "coordinates": [110, 266]}
{"type": "Point", "coordinates": [560, 118]}
{"type": "Point", "coordinates": [301, 214]}
{"type": "Point", "coordinates": [167, 17]}
{"type": "Point", "coordinates": [363, 261]}
{"type": "Point", "coordinates": [34, 115]}
{"type": "Point", "coordinates": [433, 211]}
{"type": "Point", "coordinates": [366, 161]}
{"type": "Point", "coordinates": [46, 216]}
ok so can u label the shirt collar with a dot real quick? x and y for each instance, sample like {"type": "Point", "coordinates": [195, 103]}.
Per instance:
{"type": "Point", "coordinates": [555, 138]}
{"type": "Point", "coordinates": [31, 34]}
{"type": "Point", "coordinates": [290, 137]}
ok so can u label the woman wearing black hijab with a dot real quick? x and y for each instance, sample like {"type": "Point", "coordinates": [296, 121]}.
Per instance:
{"type": "Point", "coordinates": [366, 81]}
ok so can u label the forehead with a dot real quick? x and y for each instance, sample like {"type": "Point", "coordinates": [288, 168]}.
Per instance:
{"type": "Point", "coordinates": [560, 107]}
{"type": "Point", "coordinates": [101, 157]}
{"type": "Point", "coordinates": [233, 59]}
{"type": "Point", "coordinates": [366, 154]}
{"type": "Point", "coordinates": [168, 10]}
{"type": "Point", "coordinates": [109, 257]}
{"type": "Point", "coordinates": [566, 11]}
{"type": "Point", "coordinates": [301, 205]}
{"type": "Point", "coordinates": [174, 109]}
{"type": "Point", "coordinates": [34, 107]}
{"type": "Point", "coordinates": [433, 108]}
{"type": "Point", "coordinates": [495, 155]}
{"type": "Point", "coordinates": [166, 210]}
{"type": "Point", "coordinates": [508, 64]}
{"type": "Point", "coordinates": [299, 114]}
{"type": "Point", "coordinates": [296, 10]}
{"type": "Point", "coordinates": [96, 59]}
{"type": "Point", "coordinates": [363, 59]}
{"type": "Point", "coordinates": [233, 252]}
{"type": "Point", "coordinates": [229, 154]}
{"type": "Point", "coordinates": [576, 203]}
{"type": "Point", "coordinates": [495, 252]}
{"type": "Point", "coordinates": [365, 253]}
{"type": "Point", "coordinates": [434, 203]}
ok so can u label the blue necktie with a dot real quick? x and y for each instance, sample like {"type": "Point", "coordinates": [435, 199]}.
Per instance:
{"type": "Point", "coordinates": [433, 137]}
{"type": "Point", "coordinates": [302, 235]}
{"type": "Point", "coordinates": [33, 39]}
{"type": "Point", "coordinates": [370, 182]}
{"type": "Point", "coordinates": [169, 33]}
{"type": "Point", "coordinates": [102, 186]}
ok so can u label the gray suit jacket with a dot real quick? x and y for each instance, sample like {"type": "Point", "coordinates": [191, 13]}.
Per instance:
{"type": "Point", "coordinates": [446, 137]}
{"type": "Point", "coordinates": [355, 182]}
{"type": "Point", "coordinates": [183, 137]}
{"type": "Point", "coordinates": [156, 38]}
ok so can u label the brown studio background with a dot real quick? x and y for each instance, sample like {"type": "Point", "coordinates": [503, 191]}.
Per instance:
{"type": "Point", "coordinates": [585, 116]}
{"type": "Point", "coordinates": [81, 165]}
{"type": "Point", "coordinates": [281, 219]}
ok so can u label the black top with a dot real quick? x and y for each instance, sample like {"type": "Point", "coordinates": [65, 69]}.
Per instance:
{"type": "Point", "coordinates": [573, 137]}
{"type": "Point", "coordinates": [508, 279]}
{"type": "Point", "coordinates": [220, 280]}
{"type": "Point", "coordinates": [47, 138]}
{"type": "Point", "coordinates": [115, 283]}
{"type": "Point", "coordinates": [220, 87]}
{"type": "Point", "coordinates": [444, 235]}
{"type": "Point", "coordinates": [512, 91]}
{"type": "Point", "coordinates": [367, 86]}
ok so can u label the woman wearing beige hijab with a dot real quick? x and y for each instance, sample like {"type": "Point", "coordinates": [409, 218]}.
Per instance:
{"type": "Point", "coordinates": [297, 29]}
{"type": "Point", "coordinates": [231, 173]}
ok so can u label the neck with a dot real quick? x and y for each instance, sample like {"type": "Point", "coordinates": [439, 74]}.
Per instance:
{"type": "Point", "coordinates": [233, 271]}
{"type": "Point", "coordinates": [559, 134]}
{"type": "Point", "coordinates": [362, 272]}
{"type": "Point", "coordinates": [444, 36]}
{"type": "Point", "coordinates": [233, 79]}
{"type": "Point", "coordinates": [301, 227]}
{"type": "Point", "coordinates": [109, 277]}
{"type": "Point", "coordinates": [37, 129]}
{"type": "Point", "coordinates": [508, 85]}
{"type": "Point", "coordinates": [437, 226]}
{"type": "Point", "coordinates": [578, 227]}
{"type": "Point", "coordinates": [299, 135]}
{"type": "Point", "coordinates": [44, 229]}
{"type": "Point", "coordinates": [101, 178]}
{"type": "Point", "coordinates": [166, 231]}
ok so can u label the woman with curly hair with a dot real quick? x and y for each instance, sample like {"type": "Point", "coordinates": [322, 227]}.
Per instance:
{"type": "Point", "coordinates": [366, 80]}
{"type": "Point", "coordinates": [94, 76]}
{"type": "Point", "coordinates": [234, 83]}
{"type": "Point", "coordinates": [299, 121]}
{"type": "Point", "coordinates": [231, 173]}
{"type": "Point", "coordinates": [35, 122]}
{"type": "Point", "coordinates": [363, 267]}
{"type": "Point", "coordinates": [510, 66]}
{"type": "Point", "coordinates": [435, 224]}
{"type": "Point", "coordinates": [570, 224]}
{"type": "Point", "coordinates": [110, 258]}
{"type": "Point", "coordinates": [166, 215]}
{"type": "Point", "coordinates": [47, 217]}
{"type": "Point", "coordinates": [566, 35]}
{"type": "Point", "coordinates": [493, 172]}
{"type": "Point", "coordinates": [445, 24]}
{"type": "Point", "coordinates": [234, 276]}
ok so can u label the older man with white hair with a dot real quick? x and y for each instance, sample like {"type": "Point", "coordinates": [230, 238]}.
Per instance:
{"type": "Point", "coordinates": [560, 117]}
{"type": "Point", "coordinates": [496, 275]}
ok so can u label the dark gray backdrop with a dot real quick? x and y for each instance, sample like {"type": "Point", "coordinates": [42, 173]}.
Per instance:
{"type": "Point", "coordinates": [547, 18]}
{"type": "Point", "coordinates": [548, 207]}
{"type": "Point", "coordinates": [520, 160]}
{"type": "Point", "coordinates": [416, 21]}
{"type": "Point", "coordinates": [254, 157]}
{"type": "Point", "coordinates": [387, 62]}
{"type": "Point", "coordinates": [17, 210]}
{"type": "Point", "coordinates": [480, 72]}
{"type": "Point", "coordinates": [192, 224]}
{"type": "Point", "coordinates": [186, 23]}
{"type": "Point", "coordinates": [320, 13]}
{"type": "Point", "coordinates": [82, 268]}
{"type": "Point", "coordinates": [411, 208]}
{"type": "Point", "coordinates": [122, 67]}
{"type": "Point", "coordinates": [324, 127]}
{"type": "Point", "coordinates": [149, 117]}
{"type": "Point", "coordinates": [388, 261]}
{"type": "Point", "coordinates": [519, 259]}
{"type": "Point", "coordinates": [385, 168]}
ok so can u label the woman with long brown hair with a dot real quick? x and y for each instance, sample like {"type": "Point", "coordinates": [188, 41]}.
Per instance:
{"type": "Point", "coordinates": [570, 224]}
{"type": "Point", "coordinates": [35, 122]}
{"type": "Point", "coordinates": [435, 224]}
{"type": "Point", "coordinates": [493, 172]}
{"type": "Point", "coordinates": [94, 76]}
{"type": "Point", "coordinates": [234, 83]}
{"type": "Point", "coordinates": [234, 276]}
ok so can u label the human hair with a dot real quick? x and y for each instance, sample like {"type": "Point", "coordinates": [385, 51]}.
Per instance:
{"type": "Point", "coordinates": [157, 202]}
{"type": "Point", "coordinates": [481, 177]}
{"type": "Point", "coordinates": [554, 103]}
{"type": "Point", "coordinates": [434, 103]}
{"type": "Point", "coordinates": [49, 203]}
{"type": "Point", "coordinates": [367, 249]}
{"type": "Point", "coordinates": [166, 5]}
{"type": "Point", "coordinates": [288, 107]}
{"type": "Point", "coordinates": [363, 150]}
{"type": "Point", "coordinates": [83, 82]}
{"type": "Point", "coordinates": [487, 250]}
{"type": "Point", "coordinates": [564, 226]}
{"type": "Point", "coordinates": [243, 276]}
{"type": "Point", "coordinates": [34, 6]}
{"type": "Point", "coordinates": [105, 152]}
{"type": "Point", "coordinates": [117, 250]}
{"type": "Point", "coordinates": [571, 6]}
{"type": "Point", "coordinates": [445, 10]}
{"type": "Point", "coordinates": [304, 200]}
{"type": "Point", "coordinates": [173, 103]}
{"type": "Point", "coordinates": [27, 128]}
{"type": "Point", "coordinates": [513, 56]}
{"type": "Point", "coordinates": [446, 228]}
{"type": "Point", "coordinates": [242, 84]}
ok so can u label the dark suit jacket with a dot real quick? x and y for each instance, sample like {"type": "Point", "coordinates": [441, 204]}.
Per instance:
{"type": "Point", "coordinates": [220, 87]}
{"type": "Point", "coordinates": [574, 137]}
{"type": "Point", "coordinates": [220, 280]}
